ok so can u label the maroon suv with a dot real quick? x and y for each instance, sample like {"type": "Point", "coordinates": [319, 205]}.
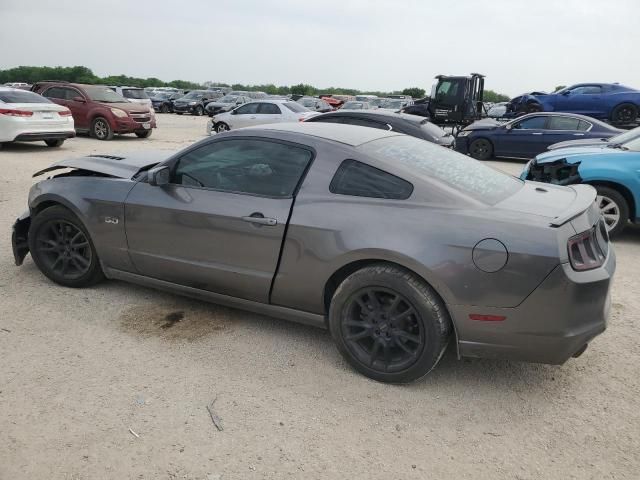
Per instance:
{"type": "Point", "coordinates": [98, 110]}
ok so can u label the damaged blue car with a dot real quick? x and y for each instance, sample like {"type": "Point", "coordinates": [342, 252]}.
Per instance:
{"type": "Point", "coordinates": [612, 170]}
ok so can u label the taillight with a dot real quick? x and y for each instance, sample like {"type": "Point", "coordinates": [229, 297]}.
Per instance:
{"type": "Point", "coordinates": [588, 250]}
{"type": "Point", "coordinates": [301, 119]}
{"type": "Point", "coordinates": [64, 113]}
{"type": "Point", "coordinates": [15, 113]}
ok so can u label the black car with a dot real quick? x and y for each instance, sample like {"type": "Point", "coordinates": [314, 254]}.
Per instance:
{"type": "Point", "coordinates": [226, 103]}
{"type": "Point", "coordinates": [398, 122]}
{"type": "Point", "coordinates": [163, 101]}
{"type": "Point", "coordinates": [194, 102]}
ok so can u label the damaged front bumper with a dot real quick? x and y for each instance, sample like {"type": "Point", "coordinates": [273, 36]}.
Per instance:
{"type": "Point", "coordinates": [20, 237]}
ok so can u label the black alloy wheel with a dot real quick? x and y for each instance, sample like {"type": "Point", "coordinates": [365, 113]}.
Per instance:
{"type": "Point", "coordinates": [64, 249]}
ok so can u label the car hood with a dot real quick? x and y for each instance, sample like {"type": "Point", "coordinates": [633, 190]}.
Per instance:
{"type": "Point", "coordinates": [583, 142]}
{"type": "Point", "coordinates": [130, 107]}
{"type": "Point", "coordinates": [570, 152]}
{"type": "Point", "coordinates": [120, 166]}
{"type": "Point", "coordinates": [484, 124]}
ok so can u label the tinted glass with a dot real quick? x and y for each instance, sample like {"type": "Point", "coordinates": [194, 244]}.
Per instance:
{"type": "Point", "coordinates": [55, 92]}
{"type": "Point", "coordinates": [269, 109]}
{"type": "Point", "coordinates": [584, 126]}
{"type": "Point", "coordinates": [103, 94]}
{"type": "Point", "coordinates": [534, 123]}
{"type": "Point", "coordinates": [253, 167]}
{"type": "Point", "coordinates": [360, 180]}
{"type": "Point", "coordinates": [327, 119]}
{"type": "Point", "coordinates": [362, 122]}
{"type": "Point", "coordinates": [563, 123]}
{"type": "Point", "coordinates": [587, 90]}
{"type": "Point", "coordinates": [21, 96]}
{"type": "Point", "coordinates": [136, 93]}
{"type": "Point", "coordinates": [295, 107]}
{"type": "Point", "coordinates": [248, 109]}
{"type": "Point", "coordinates": [433, 162]}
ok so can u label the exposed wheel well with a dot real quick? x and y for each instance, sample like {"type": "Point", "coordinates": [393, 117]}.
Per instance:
{"type": "Point", "coordinates": [44, 205]}
{"type": "Point", "coordinates": [624, 191]}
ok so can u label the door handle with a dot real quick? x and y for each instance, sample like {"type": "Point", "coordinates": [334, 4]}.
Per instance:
{"type": "Point", "coordinates": [260, 219]}
{"type": "Point", "coordinates": [578, 134]}
{"type": "Point", "coordinates": [536, 133]}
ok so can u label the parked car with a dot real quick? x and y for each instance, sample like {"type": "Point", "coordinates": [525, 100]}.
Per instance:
{"type": "Point", "coordinates": [98, 110]}
{"type": "Point", "coordinates": [28, 117]}
{"type": "Point", "coordinates": [18, 85]}
{"type": "Point", "coordinates": [315, 104]}
{"type": "Point", "coordinates": [226, 103]}
{"type": "Point", "coordinates": [419, 108]}
{"type": "Point", "coordinates": [386, 120]}
{"type": "Point", "coordinates": [612, 170]}
{"type": "Point", "coordinates": [527, 136]}
{"type": "Point", "coordinates": [135, 95]}
{"type": "Point", "coordinates": [333, 102]}
{"type": "Point", "coordinates": [391, 242]}
{"type": "Point", "coordinates": [605, 101]}
{"type": "Point", "coordinates": [614, 141]}
{"type": "Point", "coordinates": [256, 95]}
{"type": "Point", "coordinates": [365, 98]}
{"type": "Point", "coordinates": [258, 112]}
{"type": "Point", "coordinates": [163, 101]}
{"type": "Point", "coordinates": [194, 102]}
{"type": "Point", "coordinates": [497, 110]}
{"type": "Point", "coordinates": [394, 104]}
{"type": "Point", "coordinates": [354, 105]}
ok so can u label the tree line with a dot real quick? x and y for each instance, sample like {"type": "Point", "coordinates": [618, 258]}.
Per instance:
{"type": "Point", "coordinates": [80, 74]}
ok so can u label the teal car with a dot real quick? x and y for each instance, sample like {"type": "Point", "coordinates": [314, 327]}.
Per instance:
{"type": "Point", "coordinates": [614, 170]}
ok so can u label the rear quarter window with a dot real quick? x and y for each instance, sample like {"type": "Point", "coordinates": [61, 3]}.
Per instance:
{"type": "Point", "coordinates": [360, 180]}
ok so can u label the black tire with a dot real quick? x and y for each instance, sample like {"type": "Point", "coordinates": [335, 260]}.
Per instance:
{"type": "Point", "coordinates": [532, 107]}
{"type": "Point", "coordinates": [62, 248]}
{"type": "Point", "coordinates": [179, 113]}
{"type": "Point", "coordinates": [402, 315]}
{"type": "Point", "coordinates": [221, 127]}
{"type": "Point", "coordinates": [101, 129]}
{"type": "Point", "coordinates": [143, 133]}
{"type": "Point", "coordinates": [614, 208]}
{"type": "Point", "coordinates": [164, 108]}
{"type": "Point", "coordinates": [624, 113]}
{"type": "Point", "coordinates": [481, 149]}
{"type": "Point", "coordinates": [198, 111]}
{"type": "Point", "coordinates": [54, 142]}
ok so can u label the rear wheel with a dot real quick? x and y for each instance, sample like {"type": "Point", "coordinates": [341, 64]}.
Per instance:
{"type": "Point", "coordinates": [388, 324]}
{"type": "Point", "coordinates": [624, 113]}
{"type": "Point", "coordinates": [614, 209]}
{"type": "Point", "coordinates": [179, 113]}
{"type": "Point", "coordinates": [164, 108]}
{"type": "Point", "coordinates": [54, 142]}
{"type": "Point", "coordinates": [481, 149]}
{"type": "Point", "coordinates": [101, 129]}
{"type": "Point", "coordinates": [143, 133]}
{"type": "Point", "coordinates": [62, 249]}
{"type": "Point", "coordinates": [198, 111]}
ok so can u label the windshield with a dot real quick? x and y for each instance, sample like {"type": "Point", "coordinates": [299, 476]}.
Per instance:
{"type": "Point", "coordinates": [104, 94]}
{"type": "Point", "coordinates": [457, 171]}
{"type": "Point", "coordinates": [448, 91]}
{"type": "Point", "coordinates": [228, 99]}
{"type": "Point", "coordinates": [137, 93]}
{"type": "Point", "coordinates": [377, 102]}
{"type": "Point", "coordinates": [295, 107]}
{"type": "Point", "coordinates": [195, 95]}
{"type": "Point", "coordinates": [21, 96]}
{"type": "Point", "coordinates": [625, 137]}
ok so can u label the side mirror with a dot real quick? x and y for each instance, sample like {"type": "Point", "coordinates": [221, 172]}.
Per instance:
{"type": "Point", "coordinates": [159, 176]}
{"type": "Point", "coordinates": [79, 100]}
{"type": "Point", "coordinates": [232, 112]}
{"type": "Point", "coordinates": [508, 126]}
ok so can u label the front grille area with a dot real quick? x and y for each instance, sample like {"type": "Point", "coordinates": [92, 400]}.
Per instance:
{"type": "Point", "coordinates": [141, 117]}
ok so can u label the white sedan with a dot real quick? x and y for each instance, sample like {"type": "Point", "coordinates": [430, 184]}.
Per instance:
{"type": "Point", "coordinates": [28, 117]}
{"type": "Point", "coordinates": [258, 113]}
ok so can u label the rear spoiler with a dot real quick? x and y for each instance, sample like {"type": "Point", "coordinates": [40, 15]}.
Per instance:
{"type": "Point", "coordinates": [585, 196]}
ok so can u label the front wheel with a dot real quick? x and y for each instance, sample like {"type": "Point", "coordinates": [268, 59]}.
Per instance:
{"type": "Point", "coordinates": [143, 133]}
{"type": "Point", "coordinates": [101, 129]}
{"type": "Point", "coordinates": [221, 127]}
{"type": "Point", "coordinates": [481, 149]}
{"type": "Point", "coordinates": [389, 324]}
{"type": "Point", "coordinates": [57, 142]}
{"type": "Point", "coordinates": [62, 249]}
{"type": "Point", "coordinates": [614, 209]}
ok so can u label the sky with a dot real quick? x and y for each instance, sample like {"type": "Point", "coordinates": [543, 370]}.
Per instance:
{"type": "Point", "coordinates": [383, 45]}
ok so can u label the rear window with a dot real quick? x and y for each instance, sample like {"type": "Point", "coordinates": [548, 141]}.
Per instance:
{"type": "Point", "coordinates": [360, 180]}
{"type": "Point", "coordinates": [295, 107]}
{"type": "Point", "coordinates": [21, 96]}
{"type": "Point", "coordinates": [457, 171]}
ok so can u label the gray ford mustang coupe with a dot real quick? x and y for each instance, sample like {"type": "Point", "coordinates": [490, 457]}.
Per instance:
{"type": "Point", "coordinates": [397, 245]}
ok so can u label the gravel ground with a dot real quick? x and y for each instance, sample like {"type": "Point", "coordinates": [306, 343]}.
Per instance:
{"type": "Point", "coordinates": [82, 369]}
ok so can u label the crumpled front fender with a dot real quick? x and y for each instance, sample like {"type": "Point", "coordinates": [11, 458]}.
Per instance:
{"type": "Point", "coordinates": [20, 237]}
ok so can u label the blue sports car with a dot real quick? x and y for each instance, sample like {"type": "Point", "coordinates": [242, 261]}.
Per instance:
{"type": "Point", "coordinates": [527, 136]}
{"type": "Point", "coordinates": [612, 170]}
{"type": "Point", "coordinates": [605, 101]}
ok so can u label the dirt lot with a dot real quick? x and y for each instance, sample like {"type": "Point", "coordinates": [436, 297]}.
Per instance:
{"type": "Point", "coordinates": [80, 368]}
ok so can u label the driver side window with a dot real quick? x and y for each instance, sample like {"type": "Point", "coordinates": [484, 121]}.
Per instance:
{"type": "Point", "coordinates": [248, 109]}
{"type": "Point", "coordinates": [254, 167]}
{"type": "Point", "coordinates": [533, 123]}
